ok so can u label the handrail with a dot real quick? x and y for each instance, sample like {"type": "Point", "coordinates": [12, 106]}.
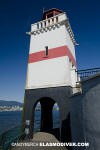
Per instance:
{"type": "Point", "coordinates": [87, 72]}
{"type": "Point", "coordinates": [11, 135]}
{"type": "Point", "coordinates": [89, 69]}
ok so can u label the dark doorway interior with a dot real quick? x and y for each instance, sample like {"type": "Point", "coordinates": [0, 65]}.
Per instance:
{"type": "Point", "coordinates": [47, 117]}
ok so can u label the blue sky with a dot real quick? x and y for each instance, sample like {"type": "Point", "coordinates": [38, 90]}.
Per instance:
{"type": "Point", "coordinates": [15, 19]}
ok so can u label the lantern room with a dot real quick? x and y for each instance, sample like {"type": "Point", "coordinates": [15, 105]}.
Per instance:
{"type": "Point", "coordinates": [51, 13]}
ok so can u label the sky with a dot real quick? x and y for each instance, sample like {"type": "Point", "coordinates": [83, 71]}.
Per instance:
{"type": "Point", "coordinates": [16, 16]}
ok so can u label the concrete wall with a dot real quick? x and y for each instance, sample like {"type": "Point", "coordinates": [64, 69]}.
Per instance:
{"type": "Point", "coordinates": [85, 114]}
{"type": "Point", "coordinates": [59, 95]}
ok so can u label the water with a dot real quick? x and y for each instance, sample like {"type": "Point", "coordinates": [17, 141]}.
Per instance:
{"type": "Point", "coordinates": [55, 120]}
{"type": "Point", "coordinates": [10, 119]}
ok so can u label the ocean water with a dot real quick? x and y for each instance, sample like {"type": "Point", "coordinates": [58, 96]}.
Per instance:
{"type": "Point", "coordinates": [11, 119]}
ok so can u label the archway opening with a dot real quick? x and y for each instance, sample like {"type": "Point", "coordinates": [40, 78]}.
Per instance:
{"type": "Point", "coordinates": [56, 121]}
{"type": "Point", "coordinates": [47, 117]}
{"type": "Point", "coordinates": [56, 118]}
{"type": "Point", "coordinates": [37, 117]}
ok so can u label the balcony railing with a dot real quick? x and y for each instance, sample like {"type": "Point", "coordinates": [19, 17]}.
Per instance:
{"type": "Point", "coordinates": [48, 22]}
{"type": "Point", "coordinates": [87, 72]}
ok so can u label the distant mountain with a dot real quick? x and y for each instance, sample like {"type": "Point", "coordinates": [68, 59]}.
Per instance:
{"type": "Point", "coordinates": [10, 103]}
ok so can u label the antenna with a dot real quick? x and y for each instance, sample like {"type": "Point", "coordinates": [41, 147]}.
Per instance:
{"type": "Point", "coordinates": [43, 9]}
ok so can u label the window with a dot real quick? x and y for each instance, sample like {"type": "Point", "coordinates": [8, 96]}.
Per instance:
{"type": "Point", "coordinates": [48, 22]}
{"type": "Point", "coordinates": [69, 60]}
{"type": "Point", "coordinates": [41, 25]}
{"type": "Point", "coordinates": [56, 19]}
{"type": "Point", "coordinates": [45, 24]}
{"type": "Point", "coordinates": [50, 15]}
{"type": "Point", "coordinates": [37, 26]}
{"type": "Point", "coordinates": [46, 48]}
{"type": "Point", "coordinates": [53, 20]}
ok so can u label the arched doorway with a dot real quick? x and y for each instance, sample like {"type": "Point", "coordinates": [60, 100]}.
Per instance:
{"type": "Point", "coordinates": [46, 116]}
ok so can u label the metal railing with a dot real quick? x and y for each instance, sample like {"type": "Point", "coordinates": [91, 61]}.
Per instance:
{"type": "Point", "coordinates": [87, 72]}
{"type": "Point", "coordinates": [12, 135]}
{"type": "Point", "coordinates": [15, 134]}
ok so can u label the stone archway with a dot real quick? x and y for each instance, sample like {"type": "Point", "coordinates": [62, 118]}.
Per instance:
{"type": "Point", "coordinates": [48, 96]}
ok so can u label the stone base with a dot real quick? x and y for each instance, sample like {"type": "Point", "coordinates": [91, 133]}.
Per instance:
{"type": "Point", "coordinates": [47, 98]}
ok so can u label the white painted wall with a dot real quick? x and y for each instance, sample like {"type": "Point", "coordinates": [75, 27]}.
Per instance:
{"type": "Point", "coordinates": [48, 73]}
{"type": "Point", "coordinates": [52, 39]}
{"type": "Point", "coordinates": [52, 72]}
{"type": "Point", "coordinates": [69, 42]}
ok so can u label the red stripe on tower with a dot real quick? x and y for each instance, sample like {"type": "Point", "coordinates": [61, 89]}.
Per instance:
{"type": "Point", "coordinates": [52, 53]}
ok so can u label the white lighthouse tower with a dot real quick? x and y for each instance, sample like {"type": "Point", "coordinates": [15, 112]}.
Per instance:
{"type": "Point", "coordinates": [51, 73]}
{"type": "Point", "coordinates": [52, 60]}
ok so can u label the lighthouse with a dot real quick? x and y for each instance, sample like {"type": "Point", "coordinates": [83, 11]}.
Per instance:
{"type": "Point", "coordinates": [52, 60]}
{"type": "Point", "coordinates": [51, 71]}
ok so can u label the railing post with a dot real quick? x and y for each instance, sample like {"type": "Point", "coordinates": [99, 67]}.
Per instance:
{"type": "Point", "coordinates": [27, 130]}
